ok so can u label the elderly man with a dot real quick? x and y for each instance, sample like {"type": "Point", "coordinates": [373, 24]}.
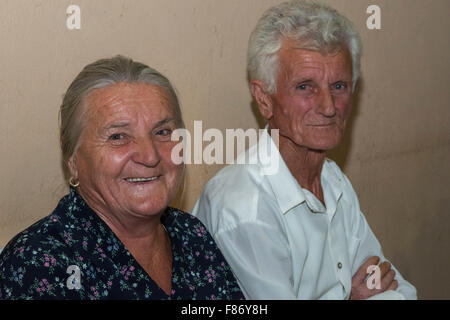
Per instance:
{"type": "Point", "coordinates": [299, 233]}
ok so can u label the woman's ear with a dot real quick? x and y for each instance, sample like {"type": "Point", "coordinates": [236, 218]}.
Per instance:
{"type": "Point", "coordinates": [263, 98]}
{"type": "Point", "coordinates": [71, 164]}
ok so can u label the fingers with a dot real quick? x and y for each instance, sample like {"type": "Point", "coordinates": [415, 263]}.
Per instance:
{"type": "Point", "coordinates": [393, 286]}
{"type": "Point", "coordinates": [361, 274]}
{"type": "Point", "coordinates": [363, 285]}
{"type": "Point", "coordinates": [387, 280]}
{"type": "Point", "coordinates": [384, 268]}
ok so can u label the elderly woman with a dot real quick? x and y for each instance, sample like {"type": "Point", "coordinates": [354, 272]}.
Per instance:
{"type": "Point", "coordinates": [114, 236]}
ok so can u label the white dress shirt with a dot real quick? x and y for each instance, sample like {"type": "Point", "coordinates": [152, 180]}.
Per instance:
{"type": "Point", "coordinates": [280, 240]}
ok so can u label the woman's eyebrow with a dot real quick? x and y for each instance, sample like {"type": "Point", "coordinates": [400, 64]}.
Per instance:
{"type": "Point", "coordinates": [163, 121]}
{"type": "Point", "coordinates": [116, 125]}
{"type": "Point", "coordinates": [124, 124]}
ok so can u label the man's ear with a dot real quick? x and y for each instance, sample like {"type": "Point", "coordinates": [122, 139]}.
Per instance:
{"type": "Point", "coordinates": [263, 98]}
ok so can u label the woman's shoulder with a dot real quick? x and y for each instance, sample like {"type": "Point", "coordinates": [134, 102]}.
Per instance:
{"type": "Point", "coordinates": [198, 253]}
{"type": "Point", "coordinates": [187, 226]}
{"type": "Point", "coordinates": [35, 259]}
{"type": "Point", "coordinates": [40, 235]}
{"type": "Point", "coordinates": [46, 233]}
{"type": "Point", "coordinates": [180, 218]}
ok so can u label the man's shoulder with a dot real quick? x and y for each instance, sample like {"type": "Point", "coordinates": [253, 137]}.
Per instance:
{"type": "Point", "coordinates": [331, 167]}
{"type": "Point", "coordinates": [234, 196]}
{"type": "Point", "coordinates": [235, 188]}
{"type": "Point", "coordinates": [335, 174]}
{"type": "Point", "coordinates": [234, 179]}
{"type": "Point", "coordinates": [340, 181]}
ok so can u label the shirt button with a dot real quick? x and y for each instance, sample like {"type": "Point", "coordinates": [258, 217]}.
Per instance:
{"type": "Point", "coordinates": [339, 265]}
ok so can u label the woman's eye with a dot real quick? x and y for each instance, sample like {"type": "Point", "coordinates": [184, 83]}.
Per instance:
{"type": "Point", "coordinates": [116, 136]}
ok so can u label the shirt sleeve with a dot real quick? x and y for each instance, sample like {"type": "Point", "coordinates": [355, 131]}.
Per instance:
{"type": "Point", "coordinates": [388, 295]}
{"type": "Point", "coordinates": [369, 246]}
{"type": "Point", "coordinates": [253, 245]}
{"type": "Point", "coordinates": [260, 260]}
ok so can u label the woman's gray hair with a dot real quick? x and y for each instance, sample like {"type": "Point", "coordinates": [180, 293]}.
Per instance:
{"type": "Point", "coordinates": [312, 25]}
{"type": "Point", "coordinates": [100, 74]}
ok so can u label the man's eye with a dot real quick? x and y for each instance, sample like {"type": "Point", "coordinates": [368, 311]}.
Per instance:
{"type": "Point", "coordinates": [163, 132]}
{"type": "Point", "coordinates": [302, 87]}
{"type": "Point", "coordinates": [339, 86]}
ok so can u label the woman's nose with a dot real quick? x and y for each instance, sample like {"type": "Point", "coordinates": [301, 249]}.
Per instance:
{"type": "Point", "coordinates": [146, 153]}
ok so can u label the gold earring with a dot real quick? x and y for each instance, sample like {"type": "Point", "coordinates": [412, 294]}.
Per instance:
{"type": "Point", "coordinates": [73, 183]}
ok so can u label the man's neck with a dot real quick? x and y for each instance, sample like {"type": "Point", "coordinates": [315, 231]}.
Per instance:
{"type": "Point", "coordinates": [304, 164]}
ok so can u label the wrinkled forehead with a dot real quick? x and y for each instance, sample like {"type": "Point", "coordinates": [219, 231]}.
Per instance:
{"type": "Point", "coordinates": [288, 44]}
{"type": "Point", "coordinates": [293, 54]}
{"type": "Point", "coordinates": [126, 98]}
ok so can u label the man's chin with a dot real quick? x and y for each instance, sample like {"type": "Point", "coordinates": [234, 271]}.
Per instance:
{"type": "Point", "coordinates": [325, 143]}
{"type": "Point", "coordinates": [324, 146]}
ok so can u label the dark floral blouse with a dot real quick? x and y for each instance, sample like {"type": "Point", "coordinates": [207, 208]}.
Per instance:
{"type": "Point", "coordinates": [73, 254]}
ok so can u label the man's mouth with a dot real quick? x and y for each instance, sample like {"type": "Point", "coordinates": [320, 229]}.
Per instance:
{"type": "Point", "coordinates": [323, 124]}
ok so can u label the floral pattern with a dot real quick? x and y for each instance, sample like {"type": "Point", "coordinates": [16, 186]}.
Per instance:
{"type": "Point", "coordinates": [35, 263]}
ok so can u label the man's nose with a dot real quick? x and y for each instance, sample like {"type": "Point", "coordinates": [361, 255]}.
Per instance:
{"type": "Point", "coordinates": [146, 153]}
{"type": "Point", "coordinates": [326, 105]}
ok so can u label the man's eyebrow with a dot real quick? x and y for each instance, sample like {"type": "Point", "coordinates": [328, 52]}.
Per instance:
{"type": "Point", "coordinates": [304, 79]}
{"type": "Point", "coordinates": [299, 80]}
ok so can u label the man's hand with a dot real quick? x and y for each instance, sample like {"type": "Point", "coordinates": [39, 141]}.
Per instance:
{"type": "Point", "coordinates": [361, 289]}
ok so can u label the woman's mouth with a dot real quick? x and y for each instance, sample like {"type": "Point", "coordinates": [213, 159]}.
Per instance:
{"type": "Point", "coordinates": [141, 179]}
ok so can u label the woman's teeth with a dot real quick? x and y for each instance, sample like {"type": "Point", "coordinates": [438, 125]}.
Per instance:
{"type": "Point", "coordinates": [140, 179]}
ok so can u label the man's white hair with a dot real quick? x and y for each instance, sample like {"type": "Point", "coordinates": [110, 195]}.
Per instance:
{"type": "Point", "coordinates": [311, 25]}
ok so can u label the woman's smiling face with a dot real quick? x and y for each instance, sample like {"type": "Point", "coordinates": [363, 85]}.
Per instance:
{"type": "Point", "coordinates": [123, 160]}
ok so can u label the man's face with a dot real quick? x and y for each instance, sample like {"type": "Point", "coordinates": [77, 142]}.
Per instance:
{"type": "Point", "coordinates": [313, 98]}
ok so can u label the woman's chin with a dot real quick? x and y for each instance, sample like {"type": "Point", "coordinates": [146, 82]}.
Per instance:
{"type": "Point", "coordinates": [148, 206]}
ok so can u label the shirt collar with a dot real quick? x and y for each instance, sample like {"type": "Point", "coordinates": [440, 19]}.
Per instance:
{"type": "Point", "coordinates": [332, 185]}
{"type": "Point", "coordinates": [78, 211]}
{"type": "Point", "coordinates": [287, 191]}
{"type": "Point", "coordinates": [91, 229]}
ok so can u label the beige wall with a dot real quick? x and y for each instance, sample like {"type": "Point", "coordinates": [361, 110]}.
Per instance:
{"type": "Point", "coordinates": [396, 151]}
